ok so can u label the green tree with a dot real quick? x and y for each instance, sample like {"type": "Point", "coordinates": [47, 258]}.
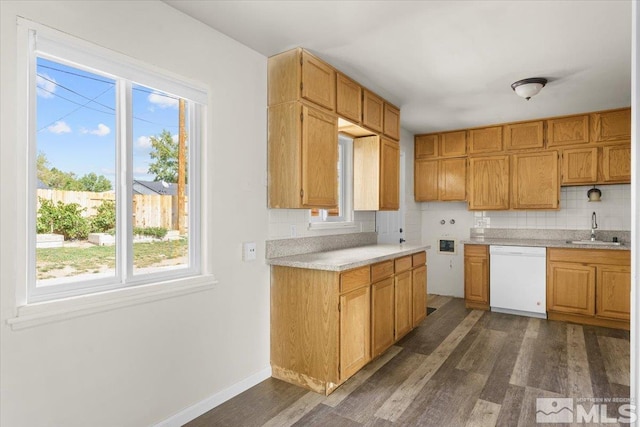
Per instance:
{"type": "Point", "coordinates": [60, 180]}
{"type": "Point", "coordinates": [93, 182]}
{"type": "Point", "coordinates": [164, 155]}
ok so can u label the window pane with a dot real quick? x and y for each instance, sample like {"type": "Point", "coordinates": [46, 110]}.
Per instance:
{"type": "Point", "coordinates": [160, 184]}
{"type": "Point", "coordinates": [76, 155]}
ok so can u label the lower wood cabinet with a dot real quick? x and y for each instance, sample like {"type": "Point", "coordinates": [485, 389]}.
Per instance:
{"type": "Point", "coordinates": [327, 325]}
{"type": "Point", "coordinates": [589, 286]}
{"type": "Point", "coordinates": [476, 276]}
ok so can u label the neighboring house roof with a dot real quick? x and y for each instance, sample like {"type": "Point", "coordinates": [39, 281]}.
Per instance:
{"type": "Point", "coordinates": [42, 186]}
{"type": "Point", "coordinates": [156, 187]}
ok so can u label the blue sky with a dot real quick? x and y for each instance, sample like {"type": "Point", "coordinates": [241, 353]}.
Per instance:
{"type": "Point", "coordinates": [76, 127]}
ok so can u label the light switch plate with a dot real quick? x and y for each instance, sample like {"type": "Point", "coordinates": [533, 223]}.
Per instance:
{"type": "Point", "coordinates": [249, 251]}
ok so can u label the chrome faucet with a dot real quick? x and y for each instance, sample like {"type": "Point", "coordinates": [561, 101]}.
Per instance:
{"type": "Point", "coordinates": [594, 225]}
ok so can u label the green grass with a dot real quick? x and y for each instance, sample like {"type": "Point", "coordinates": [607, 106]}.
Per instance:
{"type": "Point", "coordinates": [92, 259]}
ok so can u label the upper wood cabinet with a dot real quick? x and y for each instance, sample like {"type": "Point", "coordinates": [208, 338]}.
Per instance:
{"type": "Point", "coordinates": [519, 136]}
{"type": "Point", "coordinates": [297, 75]}
{"type": "Point", "coordinates": [612, 125]}
{"type": "Point", "coordinates": [579, 166]}
{"type": "Point", "coordinates": [452, 179]}
{"type": "Point", "coordinates": [372, 111]}
{"type": "Point", "coordinates": [376, 174]}
{"type": "Point", "coordinates": [391, 121]}
{"type": "Point", "coordinates": [443, 179]}
{"type": "Point", "coordinates": [535, 182]}
{"type": "Point", "coordinates": [616, 163]}
{"type": "Point", "coordinates": [453, 144]}
{"type": "Point", "coordinates": [568, 130]}
{"type": "Point", "coordinates": [348, 98]}
{"type": "Point", "coordinates": [488, 183]}
{"type": "Point", "coordinates": [425, 185]}
{"type": "Point", "coordinates": [485, 140]}
{"type": "Point", "coordinates": [302, 157]}
{"type": "Point", "coordinates": [426, 146]}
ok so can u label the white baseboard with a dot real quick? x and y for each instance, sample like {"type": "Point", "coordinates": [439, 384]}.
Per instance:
{"type": "Point", "coordinates": [194, 411]}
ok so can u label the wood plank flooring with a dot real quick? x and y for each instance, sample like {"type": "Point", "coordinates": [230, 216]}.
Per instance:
{"type": "Point", "coordinates": [458, 368]}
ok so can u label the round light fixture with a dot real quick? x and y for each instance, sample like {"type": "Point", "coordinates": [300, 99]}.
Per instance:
{"type": "Point", "coordinates": [527, 88]}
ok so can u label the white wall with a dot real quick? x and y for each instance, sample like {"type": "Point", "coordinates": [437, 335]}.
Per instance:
{"type": "Point", "coordinates": [141, 364]}
{"type": "Point", "coordinates": [445, 273]}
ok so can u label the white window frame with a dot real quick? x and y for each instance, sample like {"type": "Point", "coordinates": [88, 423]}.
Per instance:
{"type": "Point", "coordinates": [40, 305]}
{"type": "Point", "coordinates": [345, 193]}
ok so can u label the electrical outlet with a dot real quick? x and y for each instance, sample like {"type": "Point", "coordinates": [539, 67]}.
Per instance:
{"type": "Point", "coordinates": [249, 251]}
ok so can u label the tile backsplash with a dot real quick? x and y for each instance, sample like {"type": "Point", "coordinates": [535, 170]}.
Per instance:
{"type": "Point", "coordinates": [291, 223]}
{"type": "Point", "coordinates": [613, 212]}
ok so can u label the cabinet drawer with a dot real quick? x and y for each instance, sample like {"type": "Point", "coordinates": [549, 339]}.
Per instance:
{"type": "Point", "coordinates": [419, 259]}
{"type": "Point", "coordinates": [354, 279]}
{"type": "Point", "coordinates": [403, 264]}
{"type": "Point", "coordinates": [476, 250]}
{"type": "Point", "coordinates": [381, 270]}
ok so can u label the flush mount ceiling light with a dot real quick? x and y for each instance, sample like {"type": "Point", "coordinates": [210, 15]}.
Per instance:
{"type": "Point", "coordinates": [527, 88]}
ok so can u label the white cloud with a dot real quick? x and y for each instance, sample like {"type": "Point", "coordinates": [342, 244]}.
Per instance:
{"type": "Point", "coordinates": [102, 130]}
{"type": "Point", "coordinates": [140, 170]}
{"type": "Point", "coordinates": [45, 88]}
{"type": "Point", "coordinates": [144, 141]}
{"type": "Point", "coordinates": [59, 127]}
{"type": "Point", "coordinates": [162, 101]}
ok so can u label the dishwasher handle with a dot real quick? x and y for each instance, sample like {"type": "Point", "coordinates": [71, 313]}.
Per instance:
{"type": "Point", "coordinates": [528, 251]}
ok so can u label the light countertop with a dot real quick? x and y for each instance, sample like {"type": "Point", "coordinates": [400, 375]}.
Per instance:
{"type": "Point", "coordinates": [548, 243]}
{"type": "Point", "coordinates": [346, 259]}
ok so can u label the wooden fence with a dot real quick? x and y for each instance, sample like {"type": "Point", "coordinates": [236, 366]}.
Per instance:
{"type": "Point", "coordinates": [148, 210]}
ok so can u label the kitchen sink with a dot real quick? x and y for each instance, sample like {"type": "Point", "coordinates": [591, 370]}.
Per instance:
{"type": "Point", "coordinates": [593, 242]}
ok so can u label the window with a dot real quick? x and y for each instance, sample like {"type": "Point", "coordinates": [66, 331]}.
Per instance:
{"type": "Point", "coordinates": [114, 177]}
{"type": "Point", "coordinates": [343, 215]}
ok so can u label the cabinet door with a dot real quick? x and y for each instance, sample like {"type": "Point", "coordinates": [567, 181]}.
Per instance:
{"type": "Point", "coordinates": [319, 159]}
{"type": "Point", "coordinates": [613, 292]}
{"type": "Point", "coordinates": [419, 285]}
{"type": "Point", "coordinates": [403, 304]}
{"type": "Point", "coordinates": [389, 175]}
{"type": "Point", "coordinates": [453, 144]}
{"type": "Point", "coordinates": [616, 163]}
{"type": "Point", "coordinates": [372, 111]}
{"type": "Point", "coordinates": [382, 315]}
{"type": "Point", "coordinates": [348, 98]}
{"type": "Point", "coordinates": [391, 121]}
{"type": "Point", "coordinates": [426, 146]}
{"type": "Point", "coordinates": [524, 135]}
{"type": "Point", "coordinates": [318, 81]}
{"type": "Point", "coordinates": [611, 125]}
{"type": "Point", "coordinates": [571, 288]}
{"type": "Point", "coordinates": [452, 179]}
{"type": "Point", "coordinates": [535, 180]}
{"type": "Point", "coordinates": [476, 274]}
{"type": "Point", "coordinates": [489, 183]}
{"type": "Point", "coordinates": [486, 140]}
{"type": "Point", "coordinates": [425, 185]}
{"type": "Point", "coordinates": [568, 131]}
{"type": "Point", "coordinates": [355, 331]}
{"type": "Point", "coordinates": [580, 166]}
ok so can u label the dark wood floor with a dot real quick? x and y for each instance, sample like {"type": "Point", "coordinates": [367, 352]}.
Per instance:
{"type": "Point", "coordinates": [458, 368]}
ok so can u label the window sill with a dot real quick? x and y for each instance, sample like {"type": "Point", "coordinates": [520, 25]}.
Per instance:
{"type": "Point", "coordinates": [54, 311]}
{"type": "Point", "coordinates": [331, 225]}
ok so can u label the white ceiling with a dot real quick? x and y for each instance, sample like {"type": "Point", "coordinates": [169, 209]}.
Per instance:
{"type": "Point", "coordinates": [450, 64]}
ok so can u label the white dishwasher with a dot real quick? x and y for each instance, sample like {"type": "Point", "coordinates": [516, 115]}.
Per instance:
{"type": "Point", "coordinates": [517, 280]}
